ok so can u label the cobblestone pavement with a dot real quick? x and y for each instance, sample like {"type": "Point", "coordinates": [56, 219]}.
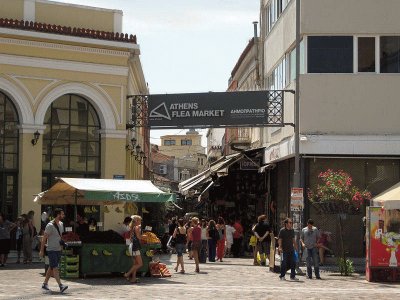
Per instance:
{"type": "Point", "coordinates": [231, 279]}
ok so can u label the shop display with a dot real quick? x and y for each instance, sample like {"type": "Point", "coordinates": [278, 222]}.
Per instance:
{"type": "Point", "coordinates": [150, 238]}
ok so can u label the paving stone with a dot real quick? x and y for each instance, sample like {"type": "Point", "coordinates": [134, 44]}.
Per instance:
{"type": "Point", "coordinates": [232, 279]}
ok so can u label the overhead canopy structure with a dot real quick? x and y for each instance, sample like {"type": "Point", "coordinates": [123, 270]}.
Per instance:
{"type": "Point", "coordinates": [216, 169]}
{"type": "Point", "coordinates": [389, 199]}
{"type": "Point", "coordinates": [83, 191]}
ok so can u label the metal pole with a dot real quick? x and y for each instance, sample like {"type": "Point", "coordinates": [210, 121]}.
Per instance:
{"type": "Point", "coordinates": [296, 175]}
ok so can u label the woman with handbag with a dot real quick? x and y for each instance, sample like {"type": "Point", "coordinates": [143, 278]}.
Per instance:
{"type": "Point", "coordinates": [180, 244]}
{"type": "Point", "coordinates": [134, 249]}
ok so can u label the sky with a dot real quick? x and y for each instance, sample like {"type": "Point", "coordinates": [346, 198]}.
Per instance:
{"type": "Point", "coordinates": [187, 46]}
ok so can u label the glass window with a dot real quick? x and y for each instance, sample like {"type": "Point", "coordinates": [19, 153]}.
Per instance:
{"type": "Point", "coordinates": [9, 134]}
{"type": "Point", "coordinates": [390, 54]}
{"type": "Point", "coordinates": [330, 54]}
{"type": "Point", "coordinates": [186, 142]}
{"type": "Point", "coordinates": [69, 142]}
{"type": "Point", "coordinates": [169, 142]}
{"type": "Point", "coordinates": [366, 54]}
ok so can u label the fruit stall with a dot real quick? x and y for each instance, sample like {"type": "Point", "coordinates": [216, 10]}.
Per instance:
{"type": "Point", "coordinates": [114, 257]}
{"type": "Point", "coordinates": [103, 251]}
{"type": "Point", "coordinates": [383, 236]}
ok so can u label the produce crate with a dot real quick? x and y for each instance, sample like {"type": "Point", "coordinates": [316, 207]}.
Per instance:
{"type": "Point", "coordinates": [69, 266]}
{"type": "Point", "coordinates": [69, 274]}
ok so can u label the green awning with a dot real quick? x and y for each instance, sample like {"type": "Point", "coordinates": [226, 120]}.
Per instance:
{"type": "Point", "coordinates": [84, 191]}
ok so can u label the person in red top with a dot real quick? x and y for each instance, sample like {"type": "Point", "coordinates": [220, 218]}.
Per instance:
{"type": "Point", "coordinates": [237, 238]}
{"type": "Point", "coordinates": [196, 242]}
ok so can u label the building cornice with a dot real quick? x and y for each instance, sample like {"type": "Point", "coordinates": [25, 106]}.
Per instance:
{"type": "Point", "coordinates": [113, 133]}
{"type": "Point", "coordinates": [55, 64]}
{"type": "Point", "coordinates": [63, 47]}
{"type": "Point", "coordinates": [333, 145]}
{"type": "Point", "coordinates": [67, 38]}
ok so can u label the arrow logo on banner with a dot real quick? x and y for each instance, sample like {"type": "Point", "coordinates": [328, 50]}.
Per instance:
{"type": "Point", "coordinates": [160, 111]}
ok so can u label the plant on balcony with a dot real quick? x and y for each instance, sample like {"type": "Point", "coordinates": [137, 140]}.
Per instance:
{"type": "Point", "coordinates": [336, 194]}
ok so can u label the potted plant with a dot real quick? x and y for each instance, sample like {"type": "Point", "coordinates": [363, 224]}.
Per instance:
{"type": "Point", "coordinates": [335, 194]}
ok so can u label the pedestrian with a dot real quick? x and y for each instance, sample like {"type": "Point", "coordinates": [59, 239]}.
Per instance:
{"type": "Point", "coordinates": [19, 238]}
{"type": "Point", "coordinates": [287, 246]}
{"type": "Point", "coordinates": [323, 243]}
{"type": "Point", "coordinates": [309, 240]}
{"type": "Point", "coordinates": [189, 229]}
{"type": "Point", "coordinates": [27, 238]}
{"type": "Point", "coordinates": [52, 238]}
{"type": "Point", "coordinates": [229, 238]}
{"type": "Point", "coordinates": [5, 238]}
{"type": "Point", "coordinates": [262, 232]}
{"type": "Point", "coordinates": [136, 235]}
{"type": "Point", "coordinates": [180, 244]}
{"type": "Point", "coordinates": [196, 242]}
{"type": "Point", "coordinates": [237, 238]}
{"type": "Point", "coordinates": [212, 238]}
{"type": "Point", "coordinates": [204, 244]}
{"type": "Point", "coordinates": [221, 239]}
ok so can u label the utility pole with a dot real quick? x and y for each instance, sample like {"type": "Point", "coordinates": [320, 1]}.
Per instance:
{"type": "Point", "coordinates": [296, 175]}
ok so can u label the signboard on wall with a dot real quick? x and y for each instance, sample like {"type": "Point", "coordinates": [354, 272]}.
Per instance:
{"type": "Point", "coordinates": [249, 108]}
{"type": "Point", "coordinates": [296, 199]}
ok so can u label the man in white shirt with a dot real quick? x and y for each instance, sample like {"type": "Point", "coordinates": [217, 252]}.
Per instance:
{"type": "Point", "coordinates": [52, 237]}
{"type": "Point", "coordinates": [309, 239]}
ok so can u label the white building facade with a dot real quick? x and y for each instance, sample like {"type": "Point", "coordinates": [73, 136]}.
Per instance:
{"type": "Point", "coordinates": [349, 103]}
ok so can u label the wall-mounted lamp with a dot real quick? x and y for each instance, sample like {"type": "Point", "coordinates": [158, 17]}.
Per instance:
{"type": "Point", "coordinates": [136, 151]}
{"type": "Point", "coordinates": [35, 139]}
{"type": "Point", "coordinates": [131, 146]}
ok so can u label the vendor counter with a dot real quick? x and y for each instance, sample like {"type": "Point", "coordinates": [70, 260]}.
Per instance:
{"type": "Point", "coordinates": [111, 258]}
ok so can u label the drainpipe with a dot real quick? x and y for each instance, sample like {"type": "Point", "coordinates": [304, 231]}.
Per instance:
{"type": "Point", "coordinates": [256, 42]}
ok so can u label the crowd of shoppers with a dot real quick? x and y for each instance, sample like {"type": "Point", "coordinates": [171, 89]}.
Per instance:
{"type": "Point", "coordinates": [23, 233]}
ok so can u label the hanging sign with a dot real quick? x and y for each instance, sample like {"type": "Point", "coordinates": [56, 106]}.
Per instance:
{"type": "Point", "coordinates": [215, 109]}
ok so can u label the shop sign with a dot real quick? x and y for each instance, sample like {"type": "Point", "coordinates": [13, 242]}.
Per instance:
{"type": "Point", "coordinates": [247, 164]}
{"type": "Point", "coordinates": [296, 199]}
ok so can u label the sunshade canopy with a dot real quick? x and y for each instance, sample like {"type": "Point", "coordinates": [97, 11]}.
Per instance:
{"type": "Point", "coordinates": [389, 199]}
{"type": "Point", "coordinates": [217, 168]}
{"type": "Point", "coordinates": [85, 191]}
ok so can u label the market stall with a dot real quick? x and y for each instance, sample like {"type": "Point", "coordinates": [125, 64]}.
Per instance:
{"type": "Point", "coordinates": [383, 236]}
{"type": "Point", "coordinates": [99, 252]}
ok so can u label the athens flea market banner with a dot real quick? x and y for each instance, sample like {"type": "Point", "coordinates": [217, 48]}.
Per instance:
{"type": "Point", "coordinates": [208, 109]}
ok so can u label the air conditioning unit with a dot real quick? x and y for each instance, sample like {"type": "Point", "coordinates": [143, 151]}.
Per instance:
{"type": "Point", "coordinates": [163, 169]}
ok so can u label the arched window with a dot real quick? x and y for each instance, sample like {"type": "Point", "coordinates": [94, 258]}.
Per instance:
{"type": "Point", "coordinates": [71, 141]}
{"type": "Point", "coordinates": [9, 135]}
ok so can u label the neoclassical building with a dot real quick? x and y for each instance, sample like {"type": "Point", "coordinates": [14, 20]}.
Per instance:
{"type": "Point", "coordinates": [65, 72]}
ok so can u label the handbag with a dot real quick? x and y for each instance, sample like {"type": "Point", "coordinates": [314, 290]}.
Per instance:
{"type": "Point", "coordinates": [253, 241]}
{"type": "Point", "coordinates": [171, 242]}
{"type": "Point", "coordinates": [135, 244]}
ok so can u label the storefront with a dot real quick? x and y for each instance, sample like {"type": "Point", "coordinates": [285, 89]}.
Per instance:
{"type": "Point", "coordinates": [232, 187]}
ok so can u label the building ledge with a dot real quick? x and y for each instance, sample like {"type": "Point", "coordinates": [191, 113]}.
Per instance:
{"type": "Point", "coordinates": [64, 30]}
